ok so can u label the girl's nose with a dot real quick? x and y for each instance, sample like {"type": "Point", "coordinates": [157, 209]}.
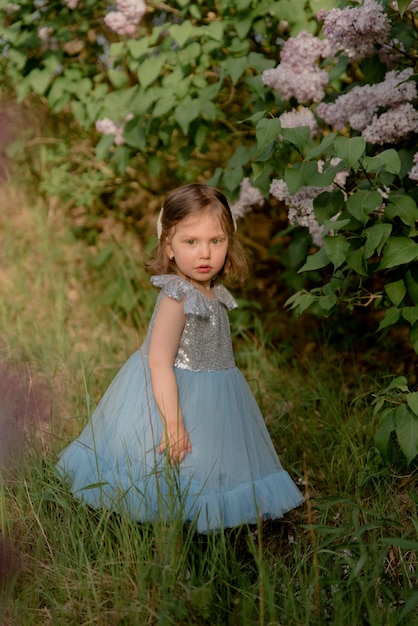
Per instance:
{"type": "Point", "coordinates": [205, 251]}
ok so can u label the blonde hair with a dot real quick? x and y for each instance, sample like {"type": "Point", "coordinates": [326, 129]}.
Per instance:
{"type": "Point", "coordinates": [193, 199]}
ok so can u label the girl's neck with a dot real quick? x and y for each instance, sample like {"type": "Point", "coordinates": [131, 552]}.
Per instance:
{"type": "Point", "coordinates": [205, 289]}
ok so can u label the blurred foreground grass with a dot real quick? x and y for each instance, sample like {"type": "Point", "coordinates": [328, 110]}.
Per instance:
{"type": "Point", "coordinates": [70, 314]}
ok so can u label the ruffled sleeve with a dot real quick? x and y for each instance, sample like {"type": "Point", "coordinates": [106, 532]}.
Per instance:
{"type": "Point", "coordinates": [195, 303]}
{"type": "Point", "coordinates": [224, 296]}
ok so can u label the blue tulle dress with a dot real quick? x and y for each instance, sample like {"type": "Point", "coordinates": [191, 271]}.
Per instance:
{"type": "Point", "coordinates": [232, 476]}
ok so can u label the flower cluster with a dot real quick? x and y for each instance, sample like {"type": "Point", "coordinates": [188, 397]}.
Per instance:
{"type": "Point", "coordinates": [356, 30]}
{"type": "Point", "coordinates": [71, 4]}
{"type": "Point", "coordinates": [300, 207]}
{"type": "Point", "coordinates": [393, 125]}
{"type": "Point", "coordinates": [300, 117]}
{"type": "Point", "coordinates": [413, 174]}
{"type": "Point", "coordinates": [125, 20]}
{"type": "Point", "coordinates": [359, 107]}
{"type": "Point", "coordinates": [298, 74]}
{"type": "Point", "coordinates": [249, 197]}
{"type": "Point", "coordinates": [107, 126]}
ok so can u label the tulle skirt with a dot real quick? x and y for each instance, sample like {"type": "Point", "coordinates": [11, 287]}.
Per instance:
{"type": "Point", "coordinates": [232, 476]}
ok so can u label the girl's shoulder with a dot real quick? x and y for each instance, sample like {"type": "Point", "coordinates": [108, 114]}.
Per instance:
{"type": "Point", "coordinates": [195, 302]}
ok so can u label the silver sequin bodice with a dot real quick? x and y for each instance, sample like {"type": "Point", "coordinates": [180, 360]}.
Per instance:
{"type": "Point", "coordinates": [205, 343]}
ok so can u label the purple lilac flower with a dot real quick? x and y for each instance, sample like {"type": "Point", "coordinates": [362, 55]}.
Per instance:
{"type": "Point", "coordinates": [356, 30]}
{"type": "Point", "coordinates": [298, 74]}
{"type": "Point", "coordinates": [358, 106]}
{"type": "Point", "coordinates": [300, 205]}
{"type": "Point", "coordinates": [125, 20]}
{"type": "Point", "coordinates": [413, 174]}
{"type": "Point", "coordinates": [300, 117]}
{"type": "Point", "coordinates": [71, 4]}
{"type": "Point", "coordinates": [249, 197]}
{"type": "Point", "coordinates": [393, 125]}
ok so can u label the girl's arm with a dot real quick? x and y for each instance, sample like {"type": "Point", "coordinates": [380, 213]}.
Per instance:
{"type": "Point", "coordinates": [165, 339]}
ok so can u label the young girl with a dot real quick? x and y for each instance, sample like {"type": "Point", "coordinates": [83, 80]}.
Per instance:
{"type": "Point", "coordinates": [178, 434]}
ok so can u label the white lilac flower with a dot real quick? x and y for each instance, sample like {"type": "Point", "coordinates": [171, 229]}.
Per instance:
{"type": "Point", "coordinates": [71, 4]}
{"type": "Point", "coordinates": [298, 74]}
{"type": "Point", "coordinates": [393, 125]}
{"type": "Point", "coordinates": [125, 20]}
{"type": "Point", "coordinates": [300, 207]}
{"type": "Point", "coordinates": [107, 126]}
{"type": "Point", "coordinates": [300, 117]}
{"type": "Point", "coordinates": [413, 174]}
{"type": "Point", "coordinates": [301, 204]}
{"type": "Point", "coordinates": [279, 190]}
{"type": "Point", "coordinates": [249, 197]}
{"type": "Point", "coordinates": [44, 32]}
{"type": "Point", "coordinates": [356, 30]}
{"type": "Point", "coordinates": [358, 106]}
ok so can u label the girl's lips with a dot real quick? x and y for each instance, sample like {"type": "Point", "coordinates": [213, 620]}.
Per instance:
{"type": "Point", "coordinates": [203, 268]}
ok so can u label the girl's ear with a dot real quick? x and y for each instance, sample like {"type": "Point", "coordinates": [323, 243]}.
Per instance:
{"type": "Point", "coordinates": [168, 249]}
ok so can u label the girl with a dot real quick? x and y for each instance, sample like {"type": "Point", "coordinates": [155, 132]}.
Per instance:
{"type": "Point", "coordinates": [178, 434]}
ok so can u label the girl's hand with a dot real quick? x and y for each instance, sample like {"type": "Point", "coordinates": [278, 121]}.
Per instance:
{"type": "Point", "coordinates": [176, 440]}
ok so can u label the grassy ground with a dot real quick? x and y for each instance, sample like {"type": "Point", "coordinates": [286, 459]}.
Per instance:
{"type": "Point", "coordinates": [70, 314]}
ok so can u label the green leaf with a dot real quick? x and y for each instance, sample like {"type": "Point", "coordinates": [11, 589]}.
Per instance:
{"type": "Point", "coordinates": [396, 291]}
{"type": "Point", "coordinates": [39, 80]}
{"type": "Point", "coordinates": [388, 160]}
{"type": "Point", "coordinates": [134, 135]}
{"type": "Point", "coordinates": [322, 148]}
{"type": "Point", "coordinates": [411, 280]}
{"type": "Point", "coordinates": [383, 437]}
{"type": "Point", "coordinates": [403, 6]}
{"type": "Point", "coordinates": [328, 204]}
{"type": "Point", "coordinates": [243, 23]}
{"type": "Point", "coordinates": [397, 251]}
{"type": "Point", "coordinates": [301, 301]}
{"type": "Point", "coordinates": [315, 261]}
{"type": "Point", "coordinates": [392, 316]}
{"type": "Point", "coordinates": [181, 32]}
{"type": "Point", "coordinates": [306, 174]}
{"type": "Point", "coordinates": [357, 262]}
{"type": "Point", "coordinates": [214, 30]}
{"type": "Point", "coordinates": [376, 237]}
{"type": "Point", "coordinates": [349, 149]}
{"type": "Point", "coordinates": [298, 136]}
{"type": "Point", "coordinates": [406, 426]}
{"type": "Point", "coordinates": [412, 400]}
{"type": "Point", "coordinates": [362, 203]}
{"type": "Point", "coordinates": [137, 47]}
{"type": "Point", "coordinates": [404, 206]}
{"type": "Point", "coordinates": [236, 67]}
{"type": "Point", "coordinates": [410, 314]}
{"type": "Point", "coordinates": [117, 78]}
{"type": "Point", "coordinates": [267, 130]}
{"type": "Point", "coordinates": [103, 146]}
{"type": "Point", "coordinates": [328, 302]}
{"type": "Point", "coordinates": [187, 111]}
{"type": "Point", "coordinates": [149, 70]}
{"type": "Point", "coordinates": [336, 248]}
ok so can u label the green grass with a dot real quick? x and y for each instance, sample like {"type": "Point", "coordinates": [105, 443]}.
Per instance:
{"type": "Point", "coordinates": [70, 314]}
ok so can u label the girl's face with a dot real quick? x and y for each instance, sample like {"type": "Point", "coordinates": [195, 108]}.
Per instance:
{"type": "Point", "coordinates": [199, 246]}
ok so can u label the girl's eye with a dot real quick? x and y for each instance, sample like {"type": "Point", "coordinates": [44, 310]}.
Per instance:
{"type": "Point", "coordinates": [217, 241]}
{"type": "Point", "coordinates": [190, 242]}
